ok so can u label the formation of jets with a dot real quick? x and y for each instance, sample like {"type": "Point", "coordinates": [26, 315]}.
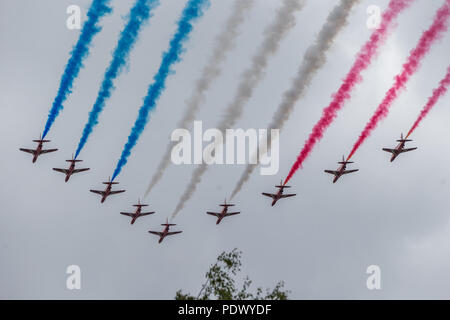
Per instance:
{"type": "Point", "coordinates": [342, 170]}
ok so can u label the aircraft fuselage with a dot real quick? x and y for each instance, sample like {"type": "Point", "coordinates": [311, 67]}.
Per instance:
{"type": "Point", "coordinates": [38, 152]}
{"type": "Point", "coordinates": [136, 215]}
{"type": "Point", "coordinates": [107, 191]}
{"type": "Point", "coordinates": [164, 234]}
{"type": "Point", "coordinates": [340, 172]}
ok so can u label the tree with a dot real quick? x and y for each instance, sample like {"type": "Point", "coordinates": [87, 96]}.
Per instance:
{"type": "Point", "coordinates": [220, 283]}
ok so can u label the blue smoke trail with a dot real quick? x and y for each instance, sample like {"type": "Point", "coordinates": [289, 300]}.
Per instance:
{"type": "Point", "coordinates": [191, 12]}
{"type": "Point", "coordinates": [139, 13]}
{"type": "Point", "coordinates": [98, 9]}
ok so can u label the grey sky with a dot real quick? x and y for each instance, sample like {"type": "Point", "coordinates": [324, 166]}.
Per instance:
{"type": "Point", "coordinates": [320, 242]}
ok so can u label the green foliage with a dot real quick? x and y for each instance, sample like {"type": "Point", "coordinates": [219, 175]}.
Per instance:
{"type": "Point", "coordinates": [220, 283]}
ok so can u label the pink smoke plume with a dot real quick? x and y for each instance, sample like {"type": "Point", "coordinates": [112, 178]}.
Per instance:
{"type": "Point", "coordinates": [439, 26]}
{"type": "Point", "coordinates": [437, 93]}
{"type": "Point", "coordinates": [363, 60]}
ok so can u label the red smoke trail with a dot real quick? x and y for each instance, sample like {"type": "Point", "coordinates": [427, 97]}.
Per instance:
{"type": "Point", "coordinates": [363, 60]}
{"type": "Point", "coordinates": [439, 26]}
{"type": "Point", "coordinates": [437, 93]}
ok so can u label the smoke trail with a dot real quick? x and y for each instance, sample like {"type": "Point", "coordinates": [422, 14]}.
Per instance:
{"type": "Point", "coordinates": [428, 38]}
{"type": "Point", "coordinates": [437, 93]}
{"type": "Point", "coordinates": [139, 13]}
{"type": "Point", "coordinates": [362, 61]}
{"type": "Point", "coordinates": [97, 10]}
{"type": "Point", "coordinates": [284, 21]}
{"type": "Point", "coordinates": [224, 43]}
{"type": "Point", "coordinates": [191, 12]}
{"type": "Point", "coordinates": [313, 59]}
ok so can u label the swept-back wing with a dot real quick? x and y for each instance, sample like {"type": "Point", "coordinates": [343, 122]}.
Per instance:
{"type": "Point", "coordinates": [173, 232]}
{"type": "Point", "coordinates": [80, 170]}
{"type": "Point", "coordinates": [156, 232]}
{"type": "Point", "coordinates": [61, 170]}
{"type": "Point", "coordinates": [350, 171]}
{"type": "Point", "coordinates": [231, 214]}
{"type": "Point", "coordinates": [28, 150]}
{"type": "Point", "coordinates": [288, 195]}
{"type": "Point", "coordinates": [216, 214]}
{"type": "Point", "coordinates": [146, 213]}
{"type": "Point", "coordinates": [117, 191]}
{"type": "Point", "coordinates": [410, 149]}
{"type": "Point", "coordinates": [127, 214]}
{"type": "Point", "coordinates": [389, 150]}
{"type": "Point", "coordinates": [48, 150]}
{"type": "Point", "coordinates": [269, 195]}
{"type": "Point", "coordinates": [98, 192]}
{"type": "Point", "coordinates": [331, 172]}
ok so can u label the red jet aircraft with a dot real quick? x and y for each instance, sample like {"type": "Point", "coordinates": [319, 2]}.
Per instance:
{"type": "Point", "coordinates": [224, 213]}
{"type": "Point", "coordinates": [71, 170]}
{"type": "Point", "coordinates": [165, 232]}
{"type": "Point", "coordinates": [279, 195]}
{"type": "Point", "coordinates": [138, 213]}
{"type": "Point", "coordinates": [107, 191]}
{"type": "Point", "coordinates": [400, 148]}
{"type": "Point", "coordinates": [38, 151]}
{"type": "Point", "coordinates": [341, 170]}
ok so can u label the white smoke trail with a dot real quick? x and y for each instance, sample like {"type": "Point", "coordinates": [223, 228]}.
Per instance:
{"type": "Point", "coordinates": [313, 59]}
{"type": "Point", "coordinates": [284, 21]}
{"type": "Point", "coordinates": [224, 43]}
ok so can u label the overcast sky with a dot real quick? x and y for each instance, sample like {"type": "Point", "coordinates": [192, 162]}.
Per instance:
{"type": "Point", "coordinates": [394, 215]}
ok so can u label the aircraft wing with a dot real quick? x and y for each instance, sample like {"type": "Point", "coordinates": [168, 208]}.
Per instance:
{"type": "Point", "coordinates": [410, 149]}
{"type": "Point", "coordinates": [98, 192]}
{"type": "Point", "coordinates": [231, 214]}
{"type": "Point", "coordinates": [331, 172]}
{"type": "Point", "coordinates": [117, 191]}
{"type": "Point", "coordinates": [28, 150]}
{"type": "Point", "coordinates": [288, 195]}
{"type": "Point", "coordinates": [174, 232]}
{"type": "Point", "coordinates": [350, 171]}
{"type": "Point", "coordinates": [61, 170]}
{"type": "Point", "coordinates": [156, 232]}
{"type": "Point", "coordinates": [269, 195]}
{"type": "Point", "coordinates": [127, 214]}
{"type": "Point", "coordinates": [388, 150]}
{"type": "Point", "coordinates": [80, 170]}
{"type": "Point", "coordinates": [48, 150]}
{"type": "Point", "coordinates": [146, 213]}
{"type": "Point", "coordinates": [216, 214]}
